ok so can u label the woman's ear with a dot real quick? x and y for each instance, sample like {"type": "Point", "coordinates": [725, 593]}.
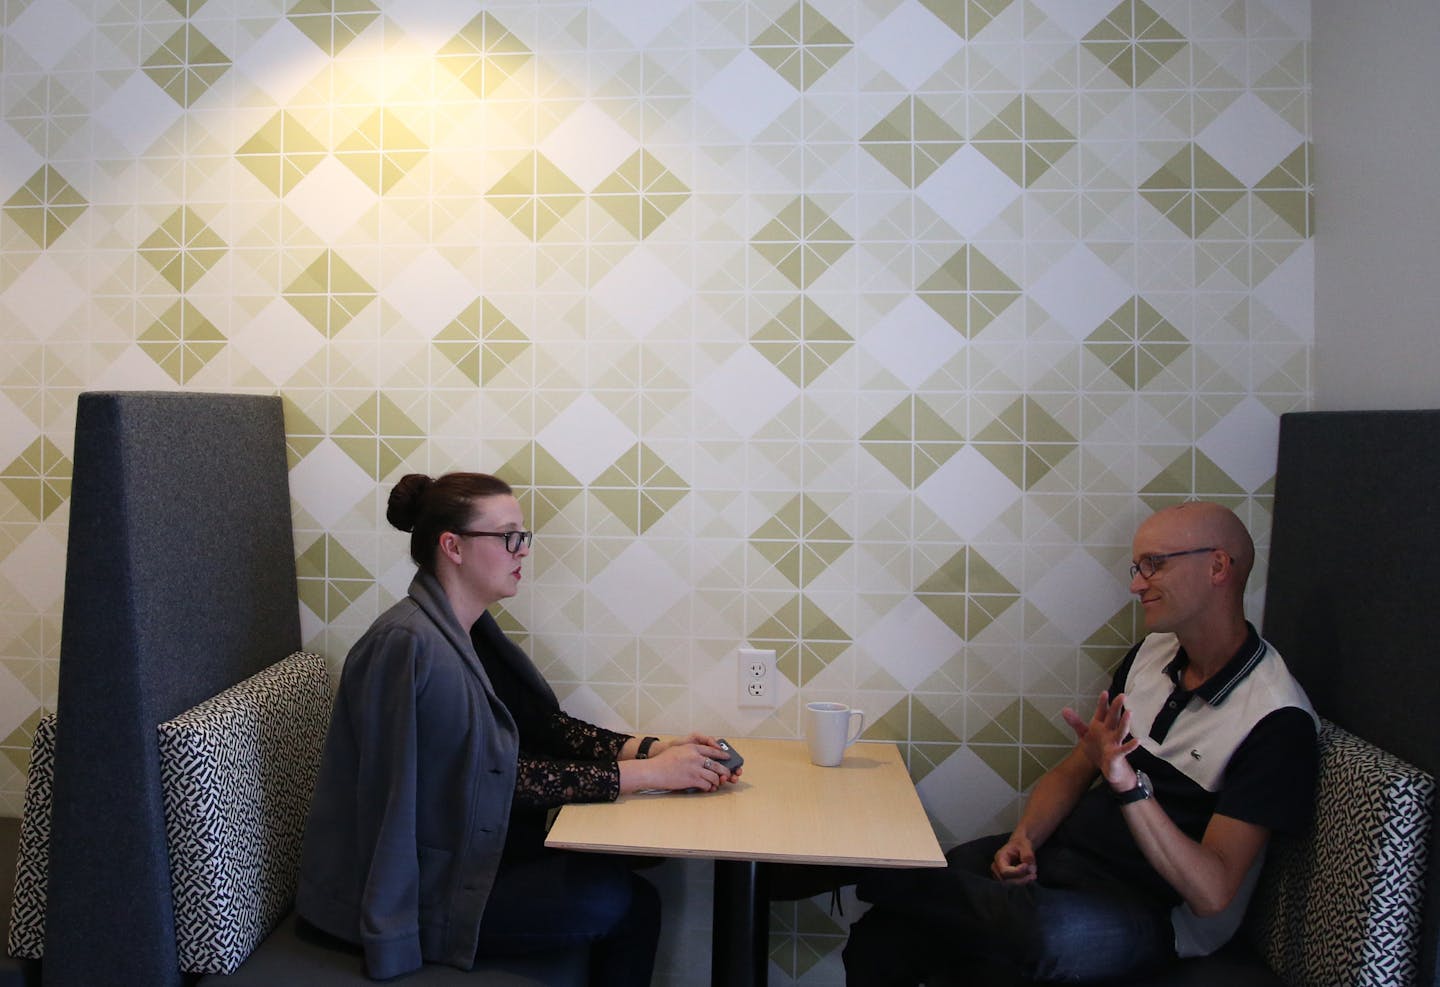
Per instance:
{"type": "Point", "coordinates": [449, 546]}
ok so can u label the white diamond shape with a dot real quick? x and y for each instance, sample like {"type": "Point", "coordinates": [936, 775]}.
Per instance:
{"type": "Point", "coordinates": [44, 297]}
{"type": "Point", "coordinates": [968, 191]}
{"type": "Point", "coordinates": [281, 62]}
{"type": "Point", "coordinates": [966, 793]}
{"type": "Point", "coordinates": [330, 199]}
{"type": "Point", "coordinates": [430, 292]}
{"type": "Point", "coordinates": [133, 370]}
{"type": "Point", "coordinates": [278, 341]}
{"type": "Point", "coordinates": [1289, 291]}
{"type": "Point", "coordinates": [747, 391]}
{"type": "Point", "coordinates": [1081, 291]}
{"type": "Point", "coordinates": [33, 568]}
{"type": "Point", "coordinates": [911, 44]}
{"type": "Point", "coordinates": [638, 587]}
{"type": "Point", "coordinates": [588, 145]}
{"type": "Point", "coordinates": [746, 95]}
{"type": "Point", "coordinates": [137, 113]}
{"type": "Point", "coordinates": [639, 22]}
{"type": "Point", "coordinates": [1244, 443]}
{"type": "Point", "coordinates": [1075, 17]}
{"type": "Point", "coordinates": [586, 438]}
{"type": "Point", "coordinates": [18, 160]}
{"type": "Point", "coordinates": [1249, 139]}
{"type": "Point", "coordinates": [17, 431]}
{"type": "Point", "coordinates": [968, 492]}
{"type": "Point", "coordinates": [16, 702]}
{"type": "Point", "coordinates": [328, 483]}
{"type": "Point", "coordinates": [912, 341]}
{"type": "Point", "coordinates": [640, 292]}
{"type": "Point", "coordinates": [910, 642]}
{"type": "Point", "coordinates": [47, 30]}
{"type": "Point", "coordinates": [1077, 595]}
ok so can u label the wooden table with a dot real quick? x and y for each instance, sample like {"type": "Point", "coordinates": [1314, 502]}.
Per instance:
{"type": "Point", "coordinates": [783, 810]}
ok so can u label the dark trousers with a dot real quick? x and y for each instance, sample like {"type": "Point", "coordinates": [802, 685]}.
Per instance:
{"type": "Point", "coordinates": [959, 919]}
{"type": "Point", "coordinates": [557, 900]}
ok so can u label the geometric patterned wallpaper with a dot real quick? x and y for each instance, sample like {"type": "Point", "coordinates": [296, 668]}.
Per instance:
{"type": "Point", "coordinates": [866, 330]}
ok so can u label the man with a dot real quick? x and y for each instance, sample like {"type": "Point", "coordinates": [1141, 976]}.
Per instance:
{"type": "Point", "coordinates": [1144, 843]}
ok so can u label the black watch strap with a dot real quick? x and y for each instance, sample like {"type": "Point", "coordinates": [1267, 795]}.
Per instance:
{"type": "Point", "coordinates": [643, 751]}
{"type": "Point", "coordinates": [1140, 792]}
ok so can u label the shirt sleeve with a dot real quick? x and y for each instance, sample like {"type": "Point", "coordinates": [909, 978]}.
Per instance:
{"type": "Point", "coordinates": [1270, 780]}
{"type": "Point", "coordinates": [545, 782]}
{"type": "Point", "coordinates": [561, 735]}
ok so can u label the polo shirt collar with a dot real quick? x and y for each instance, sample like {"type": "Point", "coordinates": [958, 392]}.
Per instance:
{"type": "Point", "coordinates": [1217, 687]}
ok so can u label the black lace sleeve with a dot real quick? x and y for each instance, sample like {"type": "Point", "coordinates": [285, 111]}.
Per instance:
{"type": "Point", "coordinates": [544, 782]}
{"type": "Point", "coordinates": [562, 735]}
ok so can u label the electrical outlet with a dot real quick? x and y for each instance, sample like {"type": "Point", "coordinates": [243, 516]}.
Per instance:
{"type": "Point", "coordinates": [757, 678]}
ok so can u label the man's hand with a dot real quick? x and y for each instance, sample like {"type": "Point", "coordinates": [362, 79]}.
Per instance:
{"type": "Point", "coordinates": [1105, 740]}
{"type": "Point", "coordinates": [1014, 863]}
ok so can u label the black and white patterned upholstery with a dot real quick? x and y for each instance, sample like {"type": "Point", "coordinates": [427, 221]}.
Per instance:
{"type": "Point", "coordinates": [237, 772]}
{"type": "Point", "coordinates": [1344, 906]}
{"type": "Point", "coordinates": [32, 859]}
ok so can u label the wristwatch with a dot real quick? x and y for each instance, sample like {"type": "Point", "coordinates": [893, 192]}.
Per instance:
{"type": "Point", "coordinates": [1142, 790]}
{"type": "Point", "coordinates": [643, 751]}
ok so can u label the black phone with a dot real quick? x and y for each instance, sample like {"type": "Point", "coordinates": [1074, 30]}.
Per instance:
{"type": "Point", "coordinates": [734, 761]}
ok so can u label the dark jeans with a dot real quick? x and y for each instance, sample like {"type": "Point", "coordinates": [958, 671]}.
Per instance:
{"type": "Point", "coordinates": [1071, 925]}
{"type": "Point", "coordinates": [557, 900]}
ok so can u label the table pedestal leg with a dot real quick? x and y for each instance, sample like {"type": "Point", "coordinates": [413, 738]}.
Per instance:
{"type": "Point", "coordinates": [740, 937]}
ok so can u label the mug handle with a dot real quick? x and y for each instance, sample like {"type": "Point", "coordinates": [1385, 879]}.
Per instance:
{"type": "Point", "coordinates": [859, 727]}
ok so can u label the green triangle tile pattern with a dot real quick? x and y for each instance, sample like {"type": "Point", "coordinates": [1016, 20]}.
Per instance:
{"type": "Point", "coordinates": [1025, 442]}
{"type": "Point", "coordinates": [183, 249]}
{"type": "Point", "coordinates": [481, 342]}
{"type": "Point", "coordinates": [302, 435]}
{"type": "Point", "coordinates": [329, 578]}
{"type": "Point", "coordinates": [641, 194]}
{"type": "Point", "coordinates": [802, 341]}
{"type": "Point", "coordinates": [1136, 343]}
{"type": "Point", "coordinates": [801, 45]}
{"type": "Point", "coordinates": [329, 293]}
{"type": "Point", "coordinates": [332, 24]}
{"type": "Point", "coordinates": [801, 540]}
{"type": "Point", "coordinates": [966, 18]}
{"type": "Point", "coordinates": [1042, 743]}
{"type": "Point", "coordinates": [39, 478]}
{"type": "Point", "coordinates": [534, 195]}
{"type": "Point", "coordinates": [186, 65]}
{"type": "Point", "coordinates": [912, 141]}
{"type": "Point", "coordinates": [801, 935]}
{"type": "Point", "coordinates": [45, 206]}
{"type": "Point", "coordinates": [805, 639]}
{"type": "Point", "coordinates": [1133, 41]}
{"type": "Point", "coordinates": [543, 487]}
{"type": "Point", "coordinates": [967, 593]}
{"type": "Point", "coordinates": [1192, 190]}
{"type": "Point", "coordinates": [1288, 192]}
{"type": "Point", "coordinates": [381, 151]}
{"type": "Point", "coordinates": [1112, 641]}
{"type": "Point", "coordinates": [186, 8]}
{"type": "Point", "coordinates": [484, 55]}
{"type": "Point", "coordinates": [802, 242]}
{"type": "Point", "coordinates": [1024, 141]}
{"type": "Point", "coordinates": [182, 341]}
{"type": "Point", "coordinates": [1189, 476]}
{"type": "Point", "coordinates": [893, 724]}
{"type": "Point", "coordinates": [912, 441]}
{"type": "Point", "coordinates": [968, 291]}
{"type": "Point", "coordinates": [378, 436]}
{"type": "Point", "coordinates": [281, 153]}
{"type": "Point", "coordinates": [640, 488]}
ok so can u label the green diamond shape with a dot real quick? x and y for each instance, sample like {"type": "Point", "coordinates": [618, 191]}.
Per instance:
{"type": "Point", "coordinates": [1136, 343]}
{"type": "Point", "coordinates": [534, 195]}
{"type": "Point", "coordinates": [182, 341]}
{"type": "Point", "coordinates": [183, 248]}
{"type": "Point", "coordinates": [640, 488]}
{"type": "Point", "coordinates": [39, 478]}
{"type": "Point", "coordinates": [329, 293]}
{"type": "Point", "coordinates": [329, 578]}
{"type": "Point", "coordinates": [1190, 475]}
{"type": "Point", "coordinates": [1025, 442]}
{"type": "Point", "coordinates": [1133, 41]}
{"type": "Point", "coordinates": [801, 45]}
{"type": "Point", "coordinates": [186, 65]}
{"type": "Point", "coordinates": [641, 194]}
{"type": "Point", "coordinates": [378, 436]}
{"type": "Point", "coordinates": [912, 141]}
{"type": "Point", "coordinates": [912, 441]}
{"type": "Point", "coordinates": [803, 242]}
{"type": "Point", "coordinates": [802, 341]}
{"type": "Point", "coordinates": [967, 593]}
{"type": "Point", "coordinates": [281, 153]}
{"type": "Point", "coordinates": [1192, 190]}
{"type": "Point", "coordinates": [481, 342]}
{"type": "Point", "coordinates": [966, 18]}
{"type": "Point", "coordinates": [1287, 191]}
{"type": "Point", "coordinates": [805, 638]}
{"type": "Point", "coordinates": [332, 24]}
{"type": "Point", "coordinates": [801, 540]}
{"type": "Point", "coordinates": [45, 206]}
{"type": "Point", "coordinates": [1024, 141]}
{"type": "Point", "coordinates": [381, 151]}
{"type": "Point", "coordinates": [968, 291]}
{"type": "Point", "coordinates": [543, 486]}
{"type": "Point", "coordinates": [484, 55]}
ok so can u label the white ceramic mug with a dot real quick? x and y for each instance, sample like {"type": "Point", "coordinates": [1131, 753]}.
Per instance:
{"type": "Point", "coordinates": [828, 731]}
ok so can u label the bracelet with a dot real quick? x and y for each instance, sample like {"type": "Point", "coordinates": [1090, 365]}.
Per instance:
{"type": "Point", "coordinates": [643, 751]}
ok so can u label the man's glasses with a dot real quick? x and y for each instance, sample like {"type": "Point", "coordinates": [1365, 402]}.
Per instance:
{"type": "Point", "coordinates": [1148, 565]}
{"type": "Point", "coordinates": [514, 540]}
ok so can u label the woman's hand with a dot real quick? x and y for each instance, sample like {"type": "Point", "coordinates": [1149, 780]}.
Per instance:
{"type": "Point", "coordinates": [694, 762]}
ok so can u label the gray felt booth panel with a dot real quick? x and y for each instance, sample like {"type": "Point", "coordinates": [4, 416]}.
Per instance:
{"type": "Point", "coordinates": [179, 581]}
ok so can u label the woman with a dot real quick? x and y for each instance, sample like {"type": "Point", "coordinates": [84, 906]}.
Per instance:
{"type": "Point", "coordinates": [425, 840]}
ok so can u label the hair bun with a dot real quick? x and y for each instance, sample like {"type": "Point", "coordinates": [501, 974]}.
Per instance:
{"type": "Point", "coordinates": [403, 509]}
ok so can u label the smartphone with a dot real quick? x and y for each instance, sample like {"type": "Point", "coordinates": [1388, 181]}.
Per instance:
{"type": "Point", "coordinates": [735, 760]}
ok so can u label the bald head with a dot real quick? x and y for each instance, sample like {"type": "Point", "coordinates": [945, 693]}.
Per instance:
{"type": "Point", "coordinates": [1200, 522]}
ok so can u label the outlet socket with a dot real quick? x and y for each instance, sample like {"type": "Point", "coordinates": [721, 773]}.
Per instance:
{"type": "Point", "coordinates": [756, 678]}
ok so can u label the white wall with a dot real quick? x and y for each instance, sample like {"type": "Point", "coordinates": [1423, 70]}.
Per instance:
{"type": "Point", "coordinates": [1376, 103]}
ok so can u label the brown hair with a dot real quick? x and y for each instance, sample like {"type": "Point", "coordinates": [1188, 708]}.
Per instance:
{"type": "Point", "coordinates": [428, 507]}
